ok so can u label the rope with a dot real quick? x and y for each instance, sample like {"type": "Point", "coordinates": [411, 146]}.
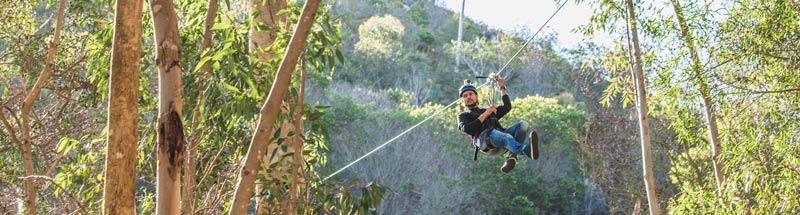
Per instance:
{"type": "Point", "coordinates": [451, 103]}
{"type": "Point", "coordinates": [391, 140]}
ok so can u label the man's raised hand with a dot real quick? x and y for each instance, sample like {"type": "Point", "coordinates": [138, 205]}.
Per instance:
{"type": "Point", "coordinates": [499, 81]}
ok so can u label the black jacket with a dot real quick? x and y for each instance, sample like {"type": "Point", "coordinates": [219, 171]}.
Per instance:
{"type": "Point", "coordinates": [469, 123]}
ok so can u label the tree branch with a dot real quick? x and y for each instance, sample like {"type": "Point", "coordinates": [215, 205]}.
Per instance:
{"type": "Point", "coordinates": [776, 91]}
{"type": "Point", "coordinates": [748, 90]}
{"type": "Point", "coordinates": [15, 117]}
{"type": "Point", "coordinates": [27, 106]}
{"type": "Point", "coordinates": [10, 129]}
{"type": "Point", "coordinates": [722, 63]}
{"type": "Point", "coordinates": [210, 165]}
{"type": "Point", "coordinates": [49, 63]}
{"type": "Point", "coordinates": [268, 113]}
{"type": "Point", "coordinates": [76, 62]}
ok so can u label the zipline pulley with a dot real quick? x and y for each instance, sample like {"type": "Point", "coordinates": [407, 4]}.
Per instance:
{"type": "Point", "coordinates": [491, 80]}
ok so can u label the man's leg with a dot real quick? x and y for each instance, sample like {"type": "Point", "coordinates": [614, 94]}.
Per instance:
{"type": "Point", "coordinates": [505, 140]}
{"type": "Point", "coordinates": [519, 131]}
{"type": "Point", "coordinates": [533, 147]}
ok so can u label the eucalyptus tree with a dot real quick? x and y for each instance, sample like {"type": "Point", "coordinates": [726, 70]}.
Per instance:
{"type": "Point", "coordinates": [705, 93]}
{"type": "Point", "coordinates": [627, 65]}
{"type": "Point", "coordinates": [752, 67]}
{"type": "Point", "coordinates": [268, 114]}
{"type": "Point", "coordinates": [269, 19]}
{"type": "Point", "coordinates": [119, 188]}
{"type": "Point", "coordinates": [27, 106]}
{"type": "Point", "coordinates": [171, 141]}
{"type": "Point", "coordinates": [644, 121]}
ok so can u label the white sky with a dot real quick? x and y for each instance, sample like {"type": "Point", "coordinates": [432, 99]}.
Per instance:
{"type": "Point", "coordinates": [511, 15]}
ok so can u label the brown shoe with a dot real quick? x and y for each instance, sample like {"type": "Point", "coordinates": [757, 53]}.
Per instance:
{"type": "Point", "coordinates": [534, 145]}
{"type": "Point", "coordinates": [509, 165]}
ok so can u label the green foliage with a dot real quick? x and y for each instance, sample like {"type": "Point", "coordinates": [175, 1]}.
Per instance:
{"type": "Point", "coordinates": [353, 198]}
{"type": "Point", "coordinates": [400, 62]}
{"type": "Point", "coordinates": [63, 150]}
{"type": "Point", "coordinates": [234, 92]}
{"type": "Point", "coordinates": [756, 173]}
{"type": "Point", "coordinates": [346, 109]}
{"type": "Point", "coordinates": [560, 129]}
{"type": "Point", "coordinates": [77, 174]}
{"type": "Point", "coordinates": [399, 96]}
{"type": "Point", "coordinates": [622, 82]}
{"type": "Point", "coordinates": [751, 83]}
{"type": "Point", "coordinates": [557, 123]}
{"type": "Point", "coordinates": [418, 14]}
{"type": "Point", "coordinates": [422, 57]}
{"type": "Point", "coordinates": [526, 190]}
{"type": "Point", "coordinates": [426, 38]}
{"type": "Point", "coordinates": [521, 205]}
{"type": "Point", "coordinates": [379, 36]}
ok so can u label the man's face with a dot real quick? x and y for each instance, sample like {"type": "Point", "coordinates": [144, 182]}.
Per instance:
{"type": "Point", "coordinates": [469, 99]}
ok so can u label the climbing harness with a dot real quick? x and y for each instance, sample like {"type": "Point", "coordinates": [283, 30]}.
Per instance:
{"type": "Point", "coordinates": [451, 103]}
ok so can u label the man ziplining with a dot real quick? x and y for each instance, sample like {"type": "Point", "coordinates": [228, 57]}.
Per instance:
{"type": "Point", "coordinates": [472, 122]}
{"type": "Point", "coordinates": [485, 131]}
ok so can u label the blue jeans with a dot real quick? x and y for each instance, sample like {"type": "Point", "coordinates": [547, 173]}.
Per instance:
{"type": "Point", "coordinates": [512, 138]}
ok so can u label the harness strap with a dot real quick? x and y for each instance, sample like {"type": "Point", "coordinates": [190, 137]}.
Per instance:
{"type": "Point", "coordinates": [475, 156]}
{"type": "Point", "coordinates": [485, 140]}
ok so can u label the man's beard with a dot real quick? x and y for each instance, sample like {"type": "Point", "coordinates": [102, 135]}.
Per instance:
{"type": "Point", "coordinates": [474, 104]}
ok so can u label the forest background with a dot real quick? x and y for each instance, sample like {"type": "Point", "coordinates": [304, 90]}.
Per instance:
{"type": "Point", "coordinates": [372, 68]}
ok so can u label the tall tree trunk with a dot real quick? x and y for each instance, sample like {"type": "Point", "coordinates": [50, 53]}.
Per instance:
{"type": "Point", "coordinates": [27, 107]}
{"type": "Point", "coordinates": [191, 148]}
{"type": "Point", "coordinates": [120, 177]}
{"type": "Point", "coordinates": [269, 111]}
{"type": "Point", "coordinates": [171, 140]}
{"type": "Point", "coordinates": [263, 31]}
{"type": "Point", "coordinates": [708, 105]}
{"type": "Point", "coordinates": [459, 48]}
{"type": "Point", "coordinates": [644, 122]}
{"type": "Point", "coordinates": [297, 146]}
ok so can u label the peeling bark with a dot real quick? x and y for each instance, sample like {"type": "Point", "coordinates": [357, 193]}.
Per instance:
{"type": "Point", "coordinates": [268, 18]}
{"type": "Point", "coordinates": [171, 139]}
{"type": "Point", "coordinates": [120, 175]}
{"type": "Point", "coordinates": [258, 144]}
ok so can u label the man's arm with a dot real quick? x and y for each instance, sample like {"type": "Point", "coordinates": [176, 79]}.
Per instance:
{"type": "Point", "coordinates": [502, 85]}
{"type": "Point", "coordinates": [471, 125]}
{"type": "Point", "coordinates": [506, 107]}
